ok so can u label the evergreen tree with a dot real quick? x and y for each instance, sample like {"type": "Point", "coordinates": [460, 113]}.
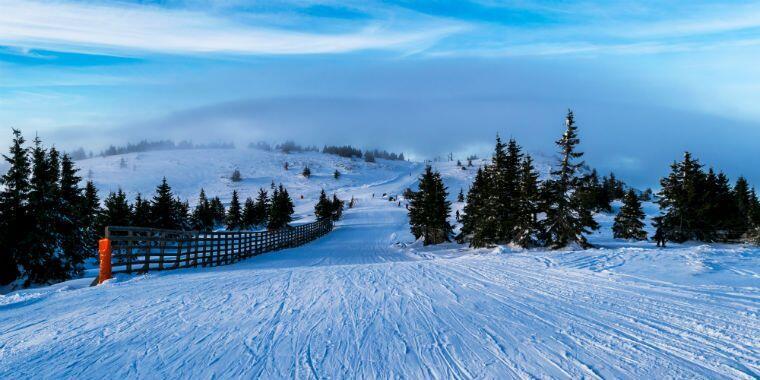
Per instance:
{"type": "Point", "coordinates": [42, 262]}
{"type": "Point", "coordinates": [249, 214]}
{"type": "Point", "coordinates": [217, 211]}
{"type": "Point", "coordinates": [429, 209]}
{"type": "Point", "coordinates": [499, 196]}
{"type": "Point", "coordinates": [234, 213]}
{"type": "Point", "coordinates": [478, 221]}
{"type": "Point", "coordinates": [91, 217]}
{"type": "Point", "coordinates": [323, 208]}
{"type": "Point", "coordinates": [141, 214]}
{"type": "Point", "coordinates": [681, 201]}
{"type": "Point", "coordinates": [236, 177]}
{"type": "Point", "coordinates": [337, 208]}
{"type": "Point", "coordinates": [720, 212]}
{"type": "Point", "coordinates": [614, 188]}
{"type": "Point", "coordinates": [14, 212]}
{"type": "Point", "coordinates": [261, 210]}
{"type": "Point", "coordinates": [116, 211]}
{"type": "Point", "coordinates": [460, 196]}
{"type": "Point", "coordinates": [629, 222]}
{"type": "Point", "coordinates": [71, 226]}
{"type": "Point", "coordinates": [527, 228]}
{"type": "Point", "coordinates": [306, 171]}
{"type": "Point", "coordinates": [182, 214]}
{"type": "Point", "coordinates": [593, 194]}
{"type": "Point", "coordinates": [163, 208]}
{"type": "Point", "coordinates": [566, 218]}
{"type": "Point", "coordinates": [744, 202]}
{"type": "Point", "coordinates": [281, 209]}
{"type": "Point", "coordinates": [203, 214]}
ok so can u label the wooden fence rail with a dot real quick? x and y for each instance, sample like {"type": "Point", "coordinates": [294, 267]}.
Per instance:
{"type": "Point", "coordinates": [137, 249]}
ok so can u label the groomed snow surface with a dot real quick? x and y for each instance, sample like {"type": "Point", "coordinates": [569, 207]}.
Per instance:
{"type": "Point", "coordinates": [367, 302]}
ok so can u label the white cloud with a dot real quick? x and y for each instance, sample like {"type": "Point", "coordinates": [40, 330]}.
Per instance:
{"type": "Point", "coordinates": [133, 29]}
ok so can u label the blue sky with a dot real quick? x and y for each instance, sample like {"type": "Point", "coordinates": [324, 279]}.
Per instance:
{"type": "Point", "coordinates": [647, 79]}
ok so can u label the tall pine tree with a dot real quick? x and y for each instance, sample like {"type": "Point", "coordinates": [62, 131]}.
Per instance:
{"type": "Point", "coordinates": [526, 227]}
{"type": "Point", "coordinates": [141, 216]}
{"type": "Point", "coordinates": [234, 213]}
{"type": "Point", "coordinates": [203, 215]}
{"type": "Point", "coordinates": [116, 211]}
{"type": "Point", "coordinates": [14, 212]}
{"type": "Point", "coordinates": [249, 212]}
{"type": "Point", "coordinates": [478, 221]}
{"type": "Point", "coordinates": [323, 208]}
{"type": "Point", "coordinates": [91, 217]}
{"type": "Point", "coordinates": [681, 200]}
{"type": "Point", "coordinates": [71, 224]}
{"type": "Point", "coordinates": [429, 209]}
{"type": "Point", "coordinates": [261, 210]}
{"type": "Point", "coordinates": [163, 208]}
{"type": "Point", "coordinates": [281, 209]}
{"type": "Point", "coordinates": [42, 262]}
{"type": "Point", "coordinates": [566, 217]}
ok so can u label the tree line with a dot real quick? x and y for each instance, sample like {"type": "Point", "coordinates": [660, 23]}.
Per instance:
{"type": "Point", "coordinates": [508, 204]}
{"type": "Point", "coordinates": [703, 205]}
{"type": "Point", "coordinates": [47, 221]}
{"type": "Point", "coordinates": [50, 224]}
{"type": "Point", "coordinates": [370, 155]}
{"type": "Point", "coordinates": [507, 196]}
{"type": "Point", "coordinates": [146, 146]}
{"type": "Point", "coordinates": [346, 151]}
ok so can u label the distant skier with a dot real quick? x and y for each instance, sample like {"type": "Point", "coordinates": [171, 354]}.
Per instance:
{"type": "Point", "coordinates": [659, 234]}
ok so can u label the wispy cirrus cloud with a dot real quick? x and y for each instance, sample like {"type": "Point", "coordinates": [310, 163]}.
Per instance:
{"type": "Point", "coordinates": [130, 29]}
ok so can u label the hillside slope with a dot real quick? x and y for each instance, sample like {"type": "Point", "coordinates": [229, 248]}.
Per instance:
{"type": "Point", "coordinates": [368, 301]}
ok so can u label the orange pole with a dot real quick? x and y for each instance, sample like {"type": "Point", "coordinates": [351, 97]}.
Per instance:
{"type": "Point", "coordinates": [104, 249]}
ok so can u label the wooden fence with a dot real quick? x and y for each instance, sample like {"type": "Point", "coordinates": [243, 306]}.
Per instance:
{"type": "Point", "coordinates": [136, 249]}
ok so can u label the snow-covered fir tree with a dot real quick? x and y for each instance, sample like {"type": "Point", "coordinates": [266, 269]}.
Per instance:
{"type": "Point", "coordinates": [261, 209]}
{"type": "Point", "coordinates": [323, 207]}
{"type": "Point", "coordinates": [14, 212]}
{"type": "Point", "coordinates": [218, 212]}
{"type": "Point", "coordinates": [281, 209]}
{"type": "Point", "coordinates": [163, 208]}
{"type": "Point", "coordinates": [567, 220]}
{"type": "Point", "coordinates": [478, 221]}
{"type": "Point", "coordinates": [116, 211]}
{"type": "Point", "coordinates": [42, 262]}
{"type": "Point", "coordinates": [249, 211]}
{"type": "Point", "coordinates": [234, 213]}
{"type": "Point", "coordinates": [202, 218]}
{"type": "Point", "coordinates": [141, 212]}
{"type": "Point", "coordinates": [429, 209]}
{"type": "Point", "coordinates": [526, 226]}
{"type": "Point", "coordinates": [629, 222]}
{"type": "Point", "coordinates": [71, 225]}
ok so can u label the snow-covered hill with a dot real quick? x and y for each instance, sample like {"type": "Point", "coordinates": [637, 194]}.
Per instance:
{"type": "Point", "coordinates": [366, 301]}
{"type": "Point", "coordinates": [187, 171]}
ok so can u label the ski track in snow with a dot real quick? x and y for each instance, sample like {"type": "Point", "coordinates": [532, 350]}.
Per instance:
{"type": "Point", "coordinates": [363, 303]}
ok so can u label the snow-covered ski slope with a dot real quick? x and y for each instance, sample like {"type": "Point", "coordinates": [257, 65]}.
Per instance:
{"type": "Point", "coordinates": [367, 302]}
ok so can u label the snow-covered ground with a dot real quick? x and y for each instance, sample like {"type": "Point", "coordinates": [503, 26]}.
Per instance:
{"type": "Point", "coordinates": [366, 301]}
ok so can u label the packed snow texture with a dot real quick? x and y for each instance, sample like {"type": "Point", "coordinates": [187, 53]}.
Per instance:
{"type": "Point", "coordinates": [366, 301]}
